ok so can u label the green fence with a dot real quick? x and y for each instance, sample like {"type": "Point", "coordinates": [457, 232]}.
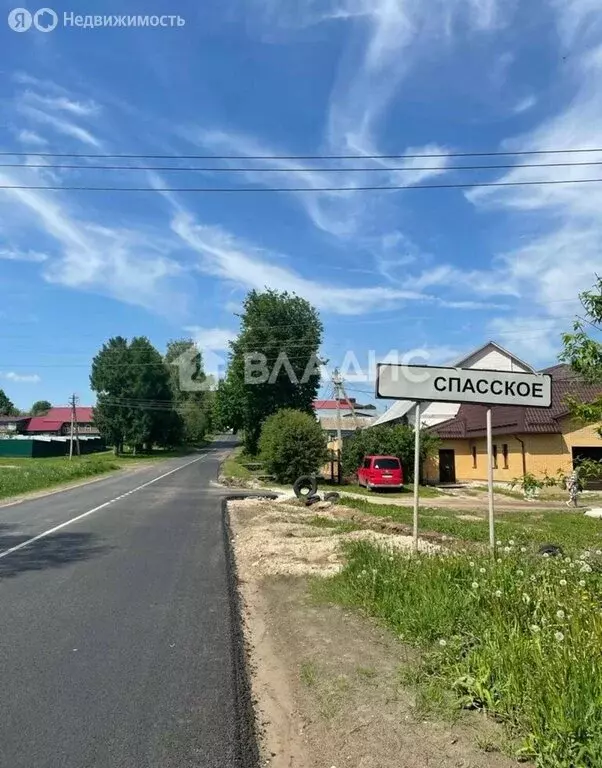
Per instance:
{"type": "Point", "coordinates": [39, 449]}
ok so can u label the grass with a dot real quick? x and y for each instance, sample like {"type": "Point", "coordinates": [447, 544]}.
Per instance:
{"type": "Point", "coordinates": [519, 637]}
{"type": "Point", "coordinates": [25, 475]}
{"type": "Point", "coordinates": [308, 672]}
{"type": "Point", "coordinates": [545, 494]}
{"type": "Point", "coordinates": [18, 476]}
{"type": "Point", "coordinates": [571, 530]}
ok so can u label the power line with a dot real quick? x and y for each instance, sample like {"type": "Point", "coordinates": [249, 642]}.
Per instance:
{"type": "Point", "coordinates": [373, 169]}
{"type": "Point", "coordinates": [212, 190]}
{"type": "Point", "coordinates": [408, 156]}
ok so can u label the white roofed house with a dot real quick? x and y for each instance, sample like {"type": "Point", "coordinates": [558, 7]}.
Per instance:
{"type": "Point", "coordinates": [490, 356]}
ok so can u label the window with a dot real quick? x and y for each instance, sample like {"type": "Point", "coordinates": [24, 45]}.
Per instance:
{"type": "Point", "coordinates": [474, 456]}
{"type": "Point", "coordinates": [386, 464]}
{"type": "Point", "coordinates": [495, 456]}
{"type": "Point", "coordinates": [367, 463]}
{"type": "Point", "coordinates": [505, 455]}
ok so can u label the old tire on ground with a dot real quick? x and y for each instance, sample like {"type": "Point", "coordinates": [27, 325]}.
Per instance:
{"type": "Point", "coordinates": [332, 496]}
{"type": "Point", "coordinates": [312, 499]}
{"type": "Point", "coordinates": [305, 483]}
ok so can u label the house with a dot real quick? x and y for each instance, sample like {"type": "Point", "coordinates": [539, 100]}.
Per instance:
{"type": "Point", "coordinates": [538, 441]}
{"type": "Point", "coordinates": [352, 415]}
{"type": "Point", "coordinates": [490, 356]}
{"type": "Point", "coordinates": [57, 421]}
{"type": "Point", "coordinates": [13, 425]}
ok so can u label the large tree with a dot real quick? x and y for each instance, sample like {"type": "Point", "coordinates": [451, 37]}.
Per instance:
{"type": "Point", "coordinates": [583, 351]}
{"type": "Point", "coordinates": [274, 361]}
{"type": "Point", "coordinates": [7, 408]}
{"type": "Point", "coordinates": [134, 399]}
{"type": "Point", "coordinates": [190, 388]}
{"type": "Point", "coordinates": [40, 407]}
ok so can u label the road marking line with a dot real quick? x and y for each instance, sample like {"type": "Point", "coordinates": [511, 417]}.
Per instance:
{"type": "Point", "coordinates": [96, 509]}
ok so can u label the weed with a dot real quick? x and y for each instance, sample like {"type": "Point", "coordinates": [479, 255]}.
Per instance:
{"type": "Point", "coordinates": [308, 672]}
{"type": "Point", "coordinates": [338, 526]}
{"type": "Point", "coordinates": [518, 636]}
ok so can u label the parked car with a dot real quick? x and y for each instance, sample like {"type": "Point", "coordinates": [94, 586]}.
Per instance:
{"type": "Point", "coordinates": [380, 472]}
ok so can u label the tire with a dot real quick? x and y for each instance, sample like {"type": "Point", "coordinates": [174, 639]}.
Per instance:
{"type": "Point", "coordinates": [312, 499]}
{"type": "Point", "coordinates": [307, 483]}
{"type": "Point", "coordinates": [332, 496]}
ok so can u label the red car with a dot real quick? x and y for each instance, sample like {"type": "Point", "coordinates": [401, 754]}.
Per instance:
{"type": "Point", "coordinates": [380, 472]}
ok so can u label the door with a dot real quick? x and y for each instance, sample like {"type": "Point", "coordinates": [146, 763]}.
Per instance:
{"type": "Point", "coordinates": [591, 454]}
{"type": "Point", "coordinates": [447, 466]}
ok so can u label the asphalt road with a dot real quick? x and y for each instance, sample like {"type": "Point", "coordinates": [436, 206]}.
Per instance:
{"type": "Point", "coordinates": [116, 646]}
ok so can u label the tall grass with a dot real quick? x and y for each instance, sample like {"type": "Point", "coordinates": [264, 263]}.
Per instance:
{"type": "Point", "coordinates": [519, 637]}
{"type": "Point", "coordinates": [36, 474]}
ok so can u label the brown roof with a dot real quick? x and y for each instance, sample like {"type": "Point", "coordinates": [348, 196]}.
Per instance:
{"type": "Point", "coordinates": [509, 419]}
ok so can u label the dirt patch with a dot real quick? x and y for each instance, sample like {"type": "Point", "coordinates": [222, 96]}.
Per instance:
{"type": "Point", "coordinates": [276, 539]}
{"type": "Point", "coordinates": [328, 683]}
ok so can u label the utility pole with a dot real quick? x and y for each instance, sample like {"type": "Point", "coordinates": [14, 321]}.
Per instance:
{"type": "Point", "coordinates": [74, 432]}
{"type": "Point", "coordinates": [338, 386]}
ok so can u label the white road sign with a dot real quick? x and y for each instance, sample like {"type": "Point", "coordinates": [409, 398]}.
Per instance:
{"type": "Point", "coordinates": [462, 385]}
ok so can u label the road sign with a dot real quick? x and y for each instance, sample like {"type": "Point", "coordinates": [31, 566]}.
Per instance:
{"type": "Point", "coordinates": [462, 385]}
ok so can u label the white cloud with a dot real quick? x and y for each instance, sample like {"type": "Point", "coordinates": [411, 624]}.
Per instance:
{"type": "Point", "coordinates": [31, 137]}
{"type": "Point", "coordinates": [21, 378]}
{"type": "Point", "coordinates": [16, 255]}
{"type": "Point", "coordinates": [231, 259]}
{"type": "Point", "coordinates": [131, 266]}
{"type": "Point", "coordinates": [215, 339]}
{"type": "Point", "coordinates": [62, 104]}
{"type": "Point", "coordinates": [524, 105]}
{"type": "Point", "coordinates": [60, 125]}
{"type": "Point", "coordinates": [535, 339]}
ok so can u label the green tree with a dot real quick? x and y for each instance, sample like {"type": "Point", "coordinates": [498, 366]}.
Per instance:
{"type": "Point", "coordinates": [6, 406]}
{"type": "Point", "coordinates": [388, 441]}
{"type": "Point", "coordinates": [134, 399]}
{"type": "Point", "coordinates": [274, 361]}
{"type": "Point", "coordinates": [40, 407]}
{"type": "Point", "coordinates": [185, 365]}
{"type": "Point", "coordinates": [292, 444]}
{"type": "Point", "coordinates": [584, 353]}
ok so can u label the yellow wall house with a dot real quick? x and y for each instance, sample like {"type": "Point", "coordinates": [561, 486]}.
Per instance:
{"type": "Point", "coordinates": [525, 440]}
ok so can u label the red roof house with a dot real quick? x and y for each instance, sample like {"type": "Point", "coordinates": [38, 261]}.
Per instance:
{"type": "Point", "coordinates": [58, 422]}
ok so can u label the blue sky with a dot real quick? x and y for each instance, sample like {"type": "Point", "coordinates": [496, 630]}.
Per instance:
{"type": "Point", "coordinates": [441, 271]}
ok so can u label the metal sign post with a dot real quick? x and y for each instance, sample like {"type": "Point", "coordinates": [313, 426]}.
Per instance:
{"type": "Point", "coordinates": [434, 384]}
{"type": "Point", "coordinates": [416, 473]}
{"type": "Point", "coordinates": [490, 481]}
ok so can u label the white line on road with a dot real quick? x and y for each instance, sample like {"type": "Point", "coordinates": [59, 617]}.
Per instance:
{"type": "Point", "coordinates": [96, 509]}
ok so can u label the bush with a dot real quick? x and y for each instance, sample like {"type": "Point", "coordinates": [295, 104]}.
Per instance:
{"type": "Point", "coordinates": [388, 441]}
{"type": "Point", "coordinates": [292, 444]}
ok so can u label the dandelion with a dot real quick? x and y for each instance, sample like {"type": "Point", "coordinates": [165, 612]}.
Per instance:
{"type": "Point", "coordinates": [523, 550]}
{"type": "Point", "coordinates": [511, 542]}
{"type": "Point", "coordinates": [442, 643]}
{"type": "Point", "coordinates": [520, 573]}
{"type": "Point", "coordinates": [533, 578]}
{"type": "Point", "coordinates": [546, 554]}
{"type": "Point", "coordinates": [559, 636]}
{"type": "Point", "coordinates": [535, 629]}
{"type": "Point", "coordinates": [498, 543]}
{"type": "Point", "coordinates": [482, 570]}
{"type": "Point", "coordinates": [498, 560]}
{"type": "Point", "coordinates": [563, 571]}
{"type": "Point", "coordinates": [498, 593]}
{"type": "Point", "coordinates": [526, 598]}
{"type": "Point", "coordinates": [560, 615]}
{"type": "Point", "coordinates": [585, 568]}
{"type": "Point", "coordinates": [599, 551]}
{"type": "Point", "coordinates": [562, 582]}
{"type": "Point", "coordinates": [471, 564]}
{"type": "Point", "coordinates": [475, 585]}
{"type": "Point", "coordinates": [571, 565]}
{"type": "Point", "coordinates": [582, 583]}
{"type": "Point", "coordinates": [507, 549]}
{"type": "Point", "coordinates": [567, 559]}
{"type": "Point", "coordinates": [391, 558]}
